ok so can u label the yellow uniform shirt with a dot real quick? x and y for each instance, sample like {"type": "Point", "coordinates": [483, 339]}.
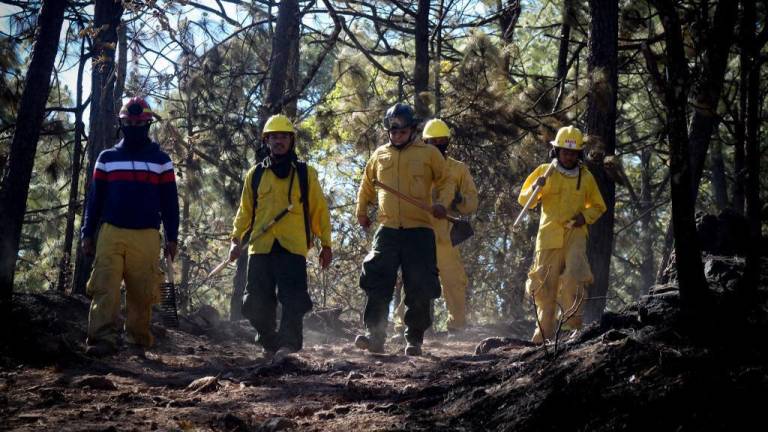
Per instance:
{"type": "Point", "coordinates": [560, 202]}
{"type": "Point", "coordinates": [272, 199]}
{"type": "Point", "coordinates": [465, 185]}
{"type": "Point", "coordinates": [413, 171]}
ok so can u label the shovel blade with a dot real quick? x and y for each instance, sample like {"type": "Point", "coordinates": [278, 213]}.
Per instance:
{"type": "Point", "coordinates": [461, 231]}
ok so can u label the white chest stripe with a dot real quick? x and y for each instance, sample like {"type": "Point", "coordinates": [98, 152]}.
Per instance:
{"type": "Point", "coordinates": [134, 166]}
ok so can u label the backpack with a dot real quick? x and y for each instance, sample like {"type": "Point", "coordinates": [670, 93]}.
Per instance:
{"type": "Point", "coordinates": [302, 171]}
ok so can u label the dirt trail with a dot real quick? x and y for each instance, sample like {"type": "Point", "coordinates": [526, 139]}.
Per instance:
{"type": "Point", "coordinates": [639, 369]}
{"type": "Point", "coordinates": [329, 386]}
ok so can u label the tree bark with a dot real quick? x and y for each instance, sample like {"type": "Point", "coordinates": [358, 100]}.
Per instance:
{"type": "Point", "coordinates": [690, 271]}
{"type": "Point", "coordinates": [64, 279]}
{"type": "Point", "coordinates": [421, 63]}
{"type": "Point", "coordinates": [601, 124]}
{"type": "Point", "coordinates": [286, 31]}
{"type": "Point", "coordinates": [647, 265]}
{"type": "Point", "coordinates": [752, 150]}
{"type": "Point", "coordinates": [507, 23]}
{"type": "Point", "coordinates": [103, 117]}
{"type": "Point", "coordinates": [562, 54]}
{"type": "Point", "coordinates": [21, 159]}
{"type": "Point", "coordinates": [437, 57]}
{"type": "Point", "coordinates": [707, 93]}
{"type": "Point", "coordinates": [719, 182]}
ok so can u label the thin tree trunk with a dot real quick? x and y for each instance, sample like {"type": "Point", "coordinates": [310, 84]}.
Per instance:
{"type": "Point", "coordinates": [708, 92]}
{"type": "Point", "coordinates": [752, 271]}
{"type": "Point", "coordinates": [601, 124]}
{"type": "Point", "coordinates": [64, 279]}
{"type": "Point", "coordinates": [103, 117]}
{"type": "Point", "coordinates": [421, 64]}
{"type": "Point", "coordinates": [647, 270]}
{"type": "Point", "coordinates": [507, 23]}
{"type": "Point", "coordinates": [562, 54]}
{"type": "Point", "coordinates": [21, 159]}
{"type": "Point", "coordinates": [746, 33]}
{"type": "Point", "coordinates": [719, 182]}
{"type": "Point", "coordinates": [690, 271]}
{"type": "Point", "coordinates": [437, 57]}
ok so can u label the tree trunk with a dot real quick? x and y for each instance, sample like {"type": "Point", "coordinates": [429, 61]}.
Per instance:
{"type": "Point", "coordinates": [562, 54]}
{"type": "Point", "coordinates": [286, 31]}
{"type": "Point", "coordinates": [437, 57]}
{"type": "Point", "coordinates": [64, 279]}
{"type": "Point", "coordinates": [103, 118]}
{"type": "Point", "coordinates": [708, 91]}
{"type": "Point", "coordinates": [601, 124]}
{"type": "Point", "coordinates": [690, 271]}
{"type": "Point", "coordinates": [753, 64]}
{"type": "Point", "coordinates": [21, 158]}
{"type": "Point", "coordinates": [421, 64]}
{"type": "Point", "coordinates": [740, 127]}
{"type": "Point", "coordinates": [647, 270]}
{"type": "Point", "coordinates": [507, 23]}
{"type": "Point", "coordinates": [719, 182]}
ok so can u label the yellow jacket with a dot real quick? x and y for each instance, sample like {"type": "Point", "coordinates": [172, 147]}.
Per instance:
{"type": "Point", "coordinates": [561, 201]}
{"type": "Point", "coordinates": [465, 185]}
{"type": "Point", "coordinates": [273, 198]}
{"type": "Point", "coordinates": [412, 171]}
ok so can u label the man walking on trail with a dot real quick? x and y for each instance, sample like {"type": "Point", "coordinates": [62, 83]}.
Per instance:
{"type": "Point", "coordinates": [405, 238]}
{"type": "Point", "coordinates": [283, 206]}
{"type": "Point", "coordinates": [452, 276]}
{"type": "Point", "coordinates": [570, 200]}
{"type": "Point", "coordinates": [132, 191]}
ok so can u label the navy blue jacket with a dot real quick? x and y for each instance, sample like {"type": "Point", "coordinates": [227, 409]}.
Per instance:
{"type": "Point", "coordinates": [134, 189]}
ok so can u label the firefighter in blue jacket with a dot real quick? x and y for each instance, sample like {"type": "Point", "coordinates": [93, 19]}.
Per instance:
{"type": "Point", "coordinates": [133, 189]}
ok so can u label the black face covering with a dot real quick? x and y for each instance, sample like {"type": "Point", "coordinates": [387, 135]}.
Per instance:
{"type": "Point", "coordinates": [135, 136]}
{"type": "Point", "coordinates": [281, 165]}
{"type": "Point", "coordinates": [443, 148]}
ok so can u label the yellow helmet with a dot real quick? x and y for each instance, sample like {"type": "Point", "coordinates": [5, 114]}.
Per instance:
{"type": "Point", "coordinates": [436, 128]}
{"type": "Point", "coordinates": [569, 137]}
{"type": "Point", "coordinates": [278, 123]}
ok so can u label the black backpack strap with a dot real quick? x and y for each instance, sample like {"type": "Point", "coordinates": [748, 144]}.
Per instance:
{"type": "Point", "coordinates": [255, 181]}
{"type": "Point", "coordinates": [302, 169]}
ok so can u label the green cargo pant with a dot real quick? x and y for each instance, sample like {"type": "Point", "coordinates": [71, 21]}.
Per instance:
{"type": "Point", "coordinates": [413, 250]}
{"type": "Point", "coordinates": [277, 276]}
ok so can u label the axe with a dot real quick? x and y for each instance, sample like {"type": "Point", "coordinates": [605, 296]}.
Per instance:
{"type": "Point", "coordinates": [461, 229]}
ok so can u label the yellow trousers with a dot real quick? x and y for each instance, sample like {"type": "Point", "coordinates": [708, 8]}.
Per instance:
{"type": "Point", "coordinates": [557, 282]}
{"type": "Point", "coordinates": [453, 280]}
{"type": "Point", "coordinates": [130, 255]}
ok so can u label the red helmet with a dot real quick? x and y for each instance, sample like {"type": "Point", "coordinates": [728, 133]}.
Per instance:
{"type": "Point", "coordinates": [136, 109]}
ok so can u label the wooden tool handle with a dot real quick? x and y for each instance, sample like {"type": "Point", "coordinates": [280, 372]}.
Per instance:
{"type": "Point", "coordinates": [535, 192]}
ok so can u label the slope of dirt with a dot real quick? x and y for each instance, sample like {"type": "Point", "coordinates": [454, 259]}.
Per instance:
{"type": "Point", "coordinates": [635, 370]}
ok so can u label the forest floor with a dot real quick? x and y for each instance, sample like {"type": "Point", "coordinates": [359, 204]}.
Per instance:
{"type": "Point", "coordinates": [634, 370]}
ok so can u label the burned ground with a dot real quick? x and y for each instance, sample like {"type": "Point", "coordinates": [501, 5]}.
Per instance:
{"type": "Point", "coordinates": [634, 370]}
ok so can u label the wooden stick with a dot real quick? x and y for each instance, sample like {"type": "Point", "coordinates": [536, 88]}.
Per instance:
{"type": "Point", "coordinates": [261, 231]}
{"type": "Point", "coordinates": [422, 205]}
{"type": "Point", "coordinates": [535, 192]}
